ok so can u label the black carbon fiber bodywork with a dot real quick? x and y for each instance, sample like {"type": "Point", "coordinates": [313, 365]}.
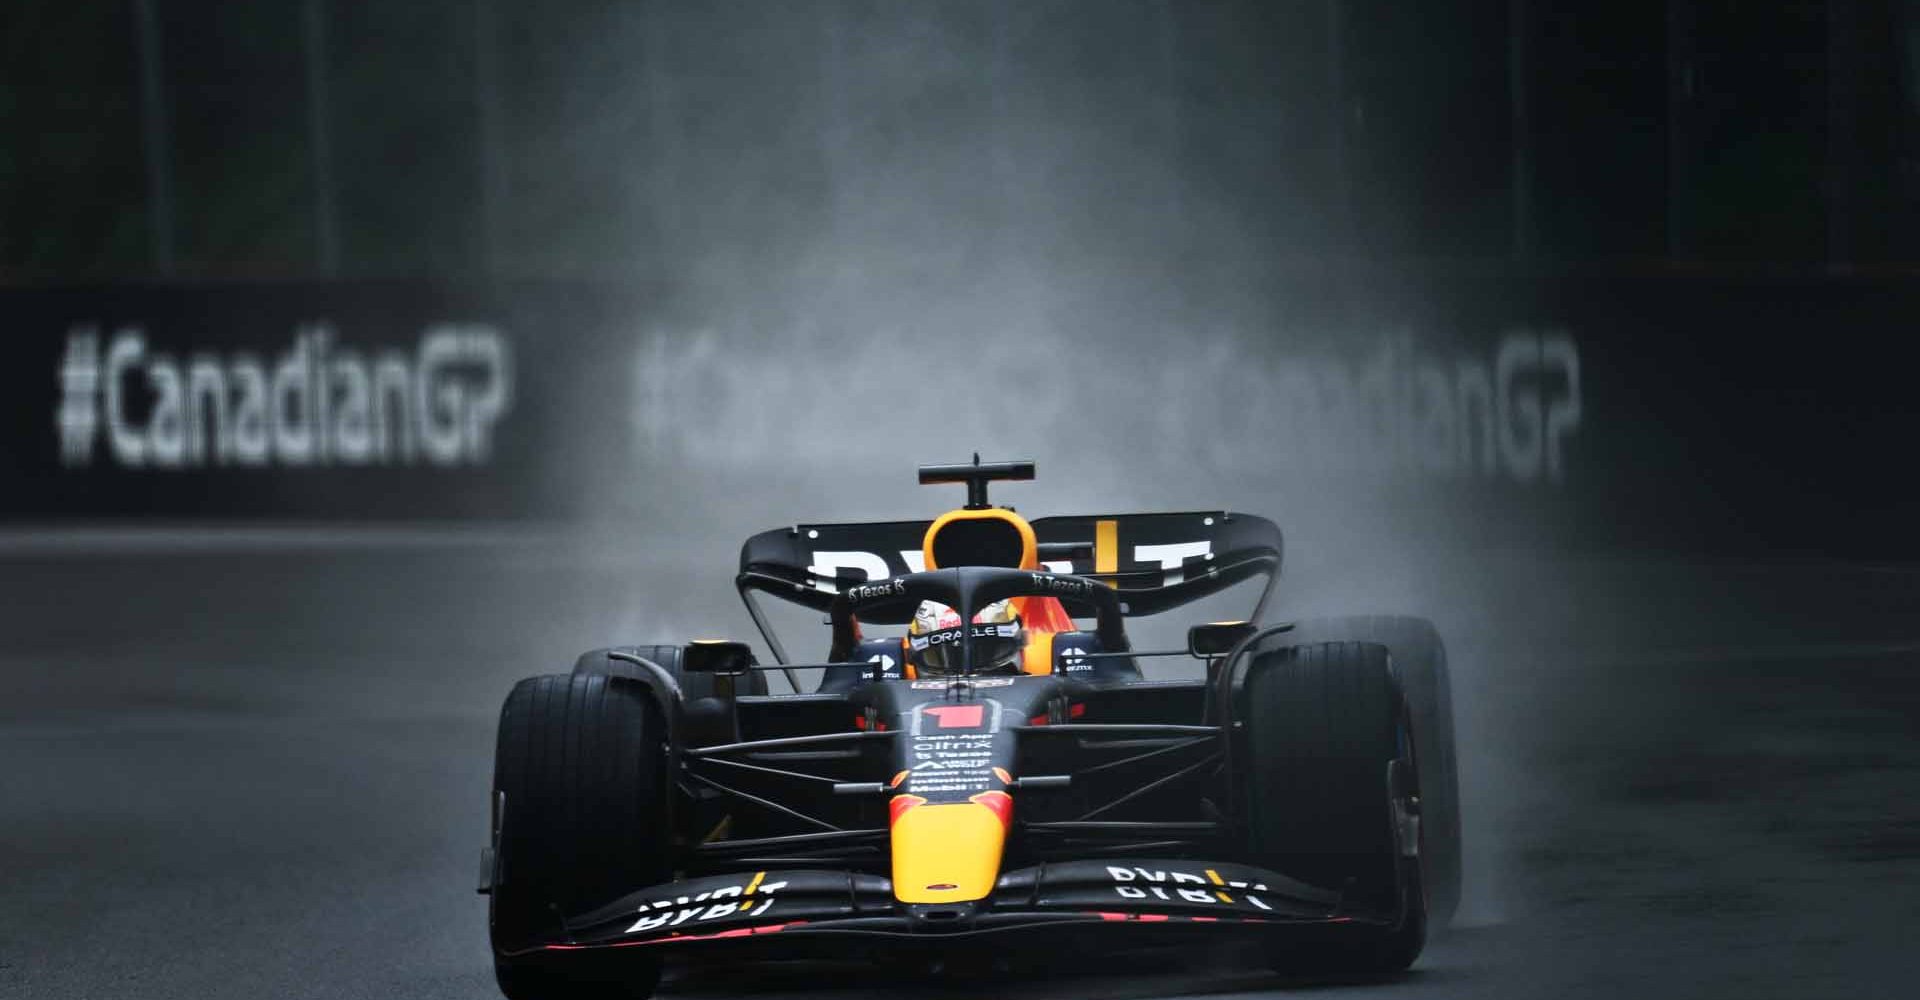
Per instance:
{"type": "Point", "coordinates": [820, 911]}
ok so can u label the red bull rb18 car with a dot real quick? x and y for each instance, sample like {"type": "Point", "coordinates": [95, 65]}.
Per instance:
{"type": "Point", "coordinates": [998, 773]}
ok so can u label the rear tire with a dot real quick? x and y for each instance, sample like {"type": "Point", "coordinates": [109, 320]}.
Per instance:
{"type": "Point", "coordinates": [582, 817]}
{"type": "Point", "coordinates": [1420, 664]}
{"type": "Point", "coordinates": [1323, 723]}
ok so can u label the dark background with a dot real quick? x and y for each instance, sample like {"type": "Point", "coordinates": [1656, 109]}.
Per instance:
{"type": "Point", "coordinates": [753, 260]}
{"type": "Point", "coordinates": [452, 137]}
{"type": "Point", "coordinates": [1719, 201]}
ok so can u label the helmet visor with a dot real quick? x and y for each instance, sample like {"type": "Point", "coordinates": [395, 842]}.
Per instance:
{"type": "Point", "coordinates": [995, 644]}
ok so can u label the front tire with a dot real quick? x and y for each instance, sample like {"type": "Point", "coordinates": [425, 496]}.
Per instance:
{"type": "Point", "coordinates": [1324, 727]}
{"type": "Point", "coordinates": [582, 816]}
{"type": "Point", "coordinates": [706, 700]}
{"type": "Point", "coordinates": [1420, 664]}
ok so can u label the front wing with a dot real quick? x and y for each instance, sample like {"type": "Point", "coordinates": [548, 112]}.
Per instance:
{"type": "Point", "coordinates": [815, 911]}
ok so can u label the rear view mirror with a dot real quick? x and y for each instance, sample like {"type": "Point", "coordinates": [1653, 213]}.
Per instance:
{"type": "Point", "coordinates": [716, 656]}
{"type": "Point", "coordinates": [1217, 638]}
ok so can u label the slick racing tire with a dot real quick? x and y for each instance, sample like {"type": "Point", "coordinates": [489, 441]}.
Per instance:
{"type": "Point", "coordinates": [1420, 664]}
{"type": "Point", "coordinates": [1324, 727]}
{"type": "Point", "coordinates": [581, 816]}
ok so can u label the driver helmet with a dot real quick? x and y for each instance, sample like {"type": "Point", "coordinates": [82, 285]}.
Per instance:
{"type": "Point", "coordinates": [933, 639]}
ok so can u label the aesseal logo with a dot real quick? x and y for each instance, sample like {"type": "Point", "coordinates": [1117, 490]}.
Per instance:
{"type": "Point", "coordinates": [317, 403]}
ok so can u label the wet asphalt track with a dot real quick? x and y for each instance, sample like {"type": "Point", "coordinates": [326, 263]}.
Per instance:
{"type": "Point", "coordinates": [262, 774]}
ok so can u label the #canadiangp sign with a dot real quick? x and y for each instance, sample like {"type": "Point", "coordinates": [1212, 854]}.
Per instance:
{"type": "Point", "coordinates": [1506, 408]}
{"type": "Point", "coordinates": [127, 401]}
{"type": "Point", "coordinates": [298, 401]}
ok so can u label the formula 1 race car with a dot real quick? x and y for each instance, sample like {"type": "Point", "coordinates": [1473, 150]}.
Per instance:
{"type": "Point", "coordinates": [1001, 776]}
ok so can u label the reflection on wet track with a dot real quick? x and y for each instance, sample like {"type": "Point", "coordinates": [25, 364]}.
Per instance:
{"type": "Point", "coordinates": [262, 773]}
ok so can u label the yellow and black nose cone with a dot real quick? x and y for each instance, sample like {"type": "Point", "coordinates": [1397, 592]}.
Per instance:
{"type": "Point", "coordinates": [948, 852]}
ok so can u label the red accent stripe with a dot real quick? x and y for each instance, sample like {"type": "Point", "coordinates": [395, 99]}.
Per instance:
{"type": "Point", "coordinates": [900, 804]}
{"type": "Point", "coordinates": [1044, 614]}
{"type": "Point", "coordinates": [736, 932]}
{"type": "Point", "coordinates": [1154, 918]}
{"type": "Point", "coordinates": [1038, 720]}
{"type": "Point", "coordinates": [1000, 802]}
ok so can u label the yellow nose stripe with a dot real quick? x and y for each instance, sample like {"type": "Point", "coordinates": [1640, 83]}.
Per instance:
{"type": "Point", "coordinates": [946, 853]}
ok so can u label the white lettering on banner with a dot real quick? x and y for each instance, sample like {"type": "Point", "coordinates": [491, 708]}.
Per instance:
{"type": "Point", "coordinates": [1400, 409]}
{"type": "Point", "coordinates": [130, 448]}
{"type": "Point", "coordinates": [320, 406]}
{"type": "Point", "coordinates": [1508, 409]}
{"type": "Point", "coordinates": [1558, 352]}
{"type": "Point", "coordinates": [77, 418]}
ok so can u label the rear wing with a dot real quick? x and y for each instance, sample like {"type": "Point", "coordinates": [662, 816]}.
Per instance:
{"type": "Point", "coordinates": [1156, 562]}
